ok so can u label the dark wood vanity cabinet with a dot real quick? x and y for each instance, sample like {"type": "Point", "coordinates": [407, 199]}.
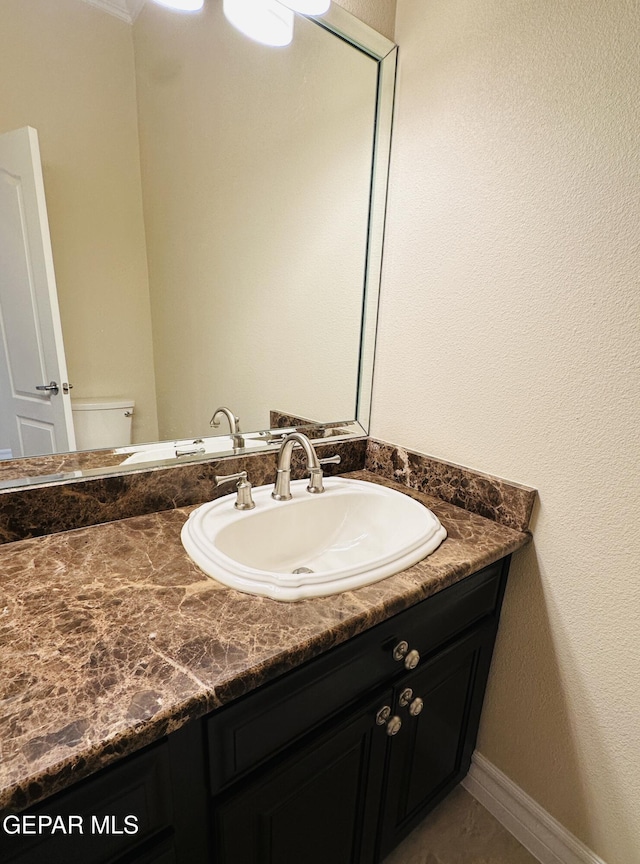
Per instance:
{"type": "Point", "coordinates": [319, 803]}
{"type": "Point", "coordinates": [432, 751]}
{"type": "Point", "coordinates": [93, 818]}
{"type": "Point", "coordinates": [352, 791]}
{"type": "Point", "coordinates": [335, 761]}
{"type": "Point", "coordinates": [341, 758]}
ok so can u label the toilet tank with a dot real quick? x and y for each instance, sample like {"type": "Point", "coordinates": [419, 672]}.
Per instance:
{"type": "Point", "coordinates": [102, 423]}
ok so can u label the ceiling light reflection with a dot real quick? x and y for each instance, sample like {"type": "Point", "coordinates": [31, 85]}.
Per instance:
{"type": "Point", "coordinates": [307, 7]}
{"type": "Point", "coordinates": [266, 21]}
{"type": "Point", "coordinates": [182, 5]}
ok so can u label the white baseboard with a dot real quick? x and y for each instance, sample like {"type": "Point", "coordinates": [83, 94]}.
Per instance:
{"type": "Point", "coordinates": [542, 835]}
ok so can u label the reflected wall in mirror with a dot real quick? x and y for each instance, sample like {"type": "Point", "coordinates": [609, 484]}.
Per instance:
{"type": "Point", "coordinates": [208, 205]}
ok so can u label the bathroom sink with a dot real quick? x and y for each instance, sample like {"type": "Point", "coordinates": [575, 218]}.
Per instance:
{"type": "Point", "coordinates": [353, 534]}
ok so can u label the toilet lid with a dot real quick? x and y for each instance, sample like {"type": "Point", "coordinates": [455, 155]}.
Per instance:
{"type": "Point", "coordinates": [101, 404]}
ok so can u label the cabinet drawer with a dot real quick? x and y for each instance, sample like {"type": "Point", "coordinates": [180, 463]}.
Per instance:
{"type": "Point", "coordinates": [259, 725]}
{"type": "Point", "coordinates": [138, 787]}
{"type": "Point", "coordinates": [442, 617]}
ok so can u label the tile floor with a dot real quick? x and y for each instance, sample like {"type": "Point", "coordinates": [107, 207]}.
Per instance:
{"type": "Point", "coordinates": [460, 831]}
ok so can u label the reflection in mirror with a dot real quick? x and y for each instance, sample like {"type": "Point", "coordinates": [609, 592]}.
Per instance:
{"type": "Point", "coordinates": [209, 212]}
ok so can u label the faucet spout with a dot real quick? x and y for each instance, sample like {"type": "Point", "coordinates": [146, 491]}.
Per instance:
{"type": "Point", "coordinates": [282, 487]}
{"type": "Point", "coordinates": [234, 424]}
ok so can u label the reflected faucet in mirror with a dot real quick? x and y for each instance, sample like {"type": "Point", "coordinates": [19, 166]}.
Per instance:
{"type": "Point", "coordinates": [234, 424]}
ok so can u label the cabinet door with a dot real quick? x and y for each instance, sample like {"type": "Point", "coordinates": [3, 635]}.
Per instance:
{"type": "Point", "coordinates": [432, 750]}
{"type": "Point", "coordinates": [92, 822]}
{"type": "Point", "coordinates": [318, 805]}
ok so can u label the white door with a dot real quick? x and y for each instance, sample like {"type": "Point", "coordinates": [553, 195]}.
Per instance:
{"type": "Point", "coordinates": [33, 420]}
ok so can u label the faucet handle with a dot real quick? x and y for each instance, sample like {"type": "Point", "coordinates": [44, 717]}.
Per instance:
{"type": "Point", "coordinates": [331, 460]}
{"type": "Point", "coordinates": [189, 451]}
{"type": "Point", "coordinates": [244, 501]}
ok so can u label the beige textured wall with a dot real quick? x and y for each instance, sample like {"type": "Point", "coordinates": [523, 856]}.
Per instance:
{"type": "Point", "coordinates": [67, 69]}
{"type": "Point", "coordinates": [256, 170]}
{"type": "Point", "coordinates": [509, 341]}
{"type": "Point", "coordinates": [379, 14]}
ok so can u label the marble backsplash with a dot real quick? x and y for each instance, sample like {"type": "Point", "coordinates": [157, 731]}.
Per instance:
{"type": "Point", "coordinates": [47, 508]}
{"type": "Point", "coordinates": [510, 504]}
{"type": "Point", "coordinates": [50, 507]}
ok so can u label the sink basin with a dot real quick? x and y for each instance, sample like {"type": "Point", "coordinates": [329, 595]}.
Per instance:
{"type": "Point", "coordinates": [353, 534]}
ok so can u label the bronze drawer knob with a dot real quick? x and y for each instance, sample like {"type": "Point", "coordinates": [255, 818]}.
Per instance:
{"type": "Point", "coordinates": [416, 706]}
{"type": "Point", "coordinates": [412, 659]}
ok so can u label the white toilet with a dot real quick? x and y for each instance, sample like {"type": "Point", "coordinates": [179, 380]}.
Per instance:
{"type": "Point", "coordinates": [102, 423]}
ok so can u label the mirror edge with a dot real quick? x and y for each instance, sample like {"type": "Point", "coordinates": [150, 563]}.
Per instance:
{"type": "Point", "coordinates": [377, 217]}
{"type": "Point", "coordinates": [346, 26]}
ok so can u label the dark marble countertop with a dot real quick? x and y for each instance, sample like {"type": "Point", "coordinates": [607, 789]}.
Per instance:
{"type": "Point", "coordinates": [110, 637]}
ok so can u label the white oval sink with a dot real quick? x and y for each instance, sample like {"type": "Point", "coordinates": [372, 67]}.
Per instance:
{"type": "Point", "coordinates": [351, 535]}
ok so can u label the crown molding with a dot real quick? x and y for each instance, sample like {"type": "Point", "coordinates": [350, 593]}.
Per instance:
{"type": "Point", "coordinates": [125, 10]}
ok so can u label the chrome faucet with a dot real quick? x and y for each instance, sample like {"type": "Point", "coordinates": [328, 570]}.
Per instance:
{"type": "Point", "coordinates": [282, 487]}
{"type": "Point", "coordinates": [234, 425]}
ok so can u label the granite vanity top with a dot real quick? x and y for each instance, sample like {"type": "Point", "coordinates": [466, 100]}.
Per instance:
{"type": "Point", "coordinates": [111, 637]}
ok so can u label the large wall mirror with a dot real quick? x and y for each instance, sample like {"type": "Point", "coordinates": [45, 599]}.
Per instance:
{"type": "Point", "coordinates": [215, 213]}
